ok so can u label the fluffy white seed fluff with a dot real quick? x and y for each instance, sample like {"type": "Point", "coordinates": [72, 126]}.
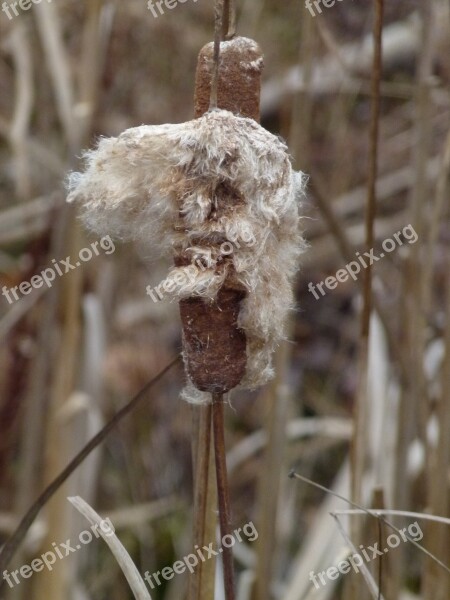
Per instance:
{"type": "Point", "coordinates": [187, 188]}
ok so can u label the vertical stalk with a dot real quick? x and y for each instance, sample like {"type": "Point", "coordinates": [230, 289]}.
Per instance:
{"type": "Point", "coordinates": [270, 492]}
{"type": "Point", "coordinates": [361, 411]}
{"type": "Point", "coordinates": [201, 584]}
{"type": "Point", "coordinates": [218, 36]}
{"type": "Point", "coordinates": [223, 491]}
{"type": "Point", "coordinates": [229, 20]}
{"type": "Point", "coordinates": [361, 408]}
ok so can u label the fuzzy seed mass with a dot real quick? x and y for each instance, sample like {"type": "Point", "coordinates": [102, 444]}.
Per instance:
{"type": "Point", "coordinates": [188, 188]}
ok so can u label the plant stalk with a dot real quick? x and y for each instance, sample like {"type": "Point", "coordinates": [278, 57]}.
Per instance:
{"type": "Point", "coordinates": [223, 492]}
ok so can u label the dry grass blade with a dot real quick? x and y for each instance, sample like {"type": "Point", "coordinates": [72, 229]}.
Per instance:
{"type": "Point", "coordinates": [50, 32]}
{"type": "Point", "coordinates": [15, 540]}
{"type": "Point", "coordinates": [376, 593]}
{"type": "Point", "coordinates": [23, 59]}
{"type": "Point", "coordinates": [278, 411]}
{"type": "Point", "coordinates": [320, 547]}
{"type": "Point", "coordinates": [124, 560]}
{"type": "Point", "coordinates": [372, 513]}
{"type": "Point", "coordinates": [399, 513]}
{"type": "Point", "coordinates": [358, 450]}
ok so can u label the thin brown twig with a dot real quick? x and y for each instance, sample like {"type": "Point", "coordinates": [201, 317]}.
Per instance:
{"type": "Point", "coordinates": [15, 540]}
{"type": "Point", "coordinates": [218, 36]}
{"type": "Point", "coordinates": [223, 491]}
{"type": "Point", "coordinates": [229, 20]}
{"type": "Point", "coordinates": [373, 162]}
{"type": "Point", "coordinates": [361, 410]}
{"type": "Point", "coordinates": [380, 561]}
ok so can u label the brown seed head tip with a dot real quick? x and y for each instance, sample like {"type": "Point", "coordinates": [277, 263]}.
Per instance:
{"type": "Point", "coordinates": [239, 85]}
{"type": "Point", "coordinates": [214, 346]}
{"type": "Point", "coordinates": [219, 193]}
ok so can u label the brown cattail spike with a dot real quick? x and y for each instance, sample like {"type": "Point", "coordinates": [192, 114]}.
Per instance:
{"type": "Point", "coordinates": [239, 85]}
{"type": "Point", "coordinates": [214, 346]}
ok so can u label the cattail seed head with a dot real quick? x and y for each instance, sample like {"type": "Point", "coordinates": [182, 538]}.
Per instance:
{"type": "Point", "coordinates": [186, 189]}
{"type": "Point", "coordinates": [239, 85]}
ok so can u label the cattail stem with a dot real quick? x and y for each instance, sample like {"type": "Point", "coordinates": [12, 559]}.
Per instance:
{"type": "Point", "coordinates": [223, 491]}
{"type": "Point", "coordinates": [201, 584]}
{"type": "Point", "coordinates": [229, 20]}
{"type": "Point", "coordinates": [218, 36]}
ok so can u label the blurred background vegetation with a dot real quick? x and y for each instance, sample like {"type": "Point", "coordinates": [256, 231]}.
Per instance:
{"type": "Point", "coordinates": [71, 356]}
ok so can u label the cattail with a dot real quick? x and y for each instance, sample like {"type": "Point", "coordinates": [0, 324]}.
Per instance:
{"type": "Point", "coordinates": [188, 189]}
{"type": "Point", "coordinates": [219, 193]}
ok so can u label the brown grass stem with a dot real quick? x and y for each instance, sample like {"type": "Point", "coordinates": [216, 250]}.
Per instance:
{"type": "Point", "coordinates": [223, 491]}
{"type": "Point", "coordinates": [202, 581]}
{"type": "Point", "coordinates": [360, 413]}
{"type": "Point", "coordinates": [373, 161]}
